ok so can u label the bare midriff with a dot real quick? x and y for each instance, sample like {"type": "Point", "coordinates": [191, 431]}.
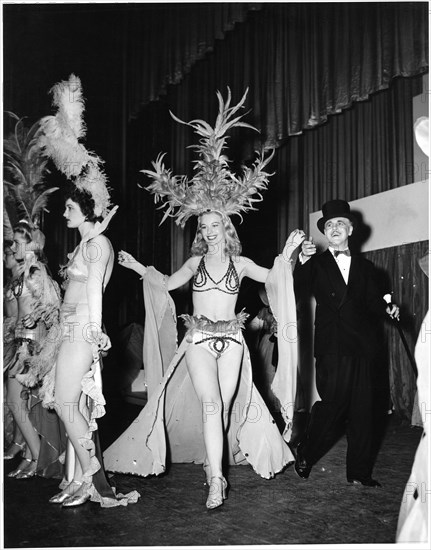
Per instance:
{"type": "Point", "coordinates": [214, 305]}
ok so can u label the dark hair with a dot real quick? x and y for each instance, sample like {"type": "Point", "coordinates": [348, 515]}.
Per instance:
{"type": "Point", "coordinates": [85, 202]}
{"type": "Point", "coordinates": [232, 244]}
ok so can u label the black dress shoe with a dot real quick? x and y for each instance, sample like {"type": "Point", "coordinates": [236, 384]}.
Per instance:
{"type": "Point", "coordinates": [302, 468]}
{"type": "Point", "coordinates": [369, 482]}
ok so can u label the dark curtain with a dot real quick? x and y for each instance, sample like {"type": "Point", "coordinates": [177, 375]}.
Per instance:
{"type": "Point", "coordinates": [366, 150]}
{"type": "Point", "coordinates": [44, 44]}
{"type": "Point", "coordinates": [400, 271]}
{"type": "Point", "coordinates": [302, 61]}
{"type": "Point", "coordinates": [164, 41]}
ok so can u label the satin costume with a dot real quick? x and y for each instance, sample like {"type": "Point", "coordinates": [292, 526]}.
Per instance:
{"type": "Point", "coordinates": [76, 321]}
{"type": "Point", "coordinates": [28, 357]}
{"type": "Point", "coordinates": [170, 425]}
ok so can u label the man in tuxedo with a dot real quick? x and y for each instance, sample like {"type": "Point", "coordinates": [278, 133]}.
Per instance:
{"type": "Point", "coordinates": [349, 308]}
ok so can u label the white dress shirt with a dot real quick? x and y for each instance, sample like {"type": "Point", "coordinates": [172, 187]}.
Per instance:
{"type": "Point", "coordinates": [343, 263]}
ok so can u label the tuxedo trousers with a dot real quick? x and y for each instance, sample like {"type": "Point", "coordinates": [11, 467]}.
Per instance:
{"type": "Point", "coordinates": [346, 389]}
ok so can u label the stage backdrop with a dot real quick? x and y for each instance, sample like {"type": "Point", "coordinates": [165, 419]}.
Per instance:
{"type": "Point", "coordinates": [393, 233]}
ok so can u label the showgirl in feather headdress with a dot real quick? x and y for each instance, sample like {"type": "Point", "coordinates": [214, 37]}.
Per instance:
{"type": "Point", "coordinates": [76, 380]}
{"type": "Point", "coordinates": [34, 298]}
{"type": "Point", "coordinates": [60, 141]}
{"type": "Point", "coordinates": [192, 389]}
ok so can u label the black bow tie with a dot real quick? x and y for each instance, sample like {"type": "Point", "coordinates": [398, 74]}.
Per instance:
{"type": "Point", "coordinates": [338, 252]}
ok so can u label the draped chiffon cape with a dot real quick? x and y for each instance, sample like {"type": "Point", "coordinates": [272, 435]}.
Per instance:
{"type": "Point", "coordinates": [170, 426]}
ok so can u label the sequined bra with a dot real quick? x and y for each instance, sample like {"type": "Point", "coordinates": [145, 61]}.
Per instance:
{"type": "Point", "coordinates": [229, 283]}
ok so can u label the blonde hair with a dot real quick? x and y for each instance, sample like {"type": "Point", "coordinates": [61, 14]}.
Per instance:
{"type": "Point", "coordinates": [232, 243]}
{"type": "Point", "coordinates": [34, 237]}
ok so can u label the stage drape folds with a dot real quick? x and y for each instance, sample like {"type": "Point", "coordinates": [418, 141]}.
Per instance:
{"type": "Point", "coordinates": [295, 60]}
{"type": "Point", "coordinates": [302, 61]}
{"type": "Point", "coordinates": [164, 41]}
{"type": "Point", "coordinates": [366, 150]}
{"type": "Point", "coordinates": [399, 264]}
{"type": "Point", "coordinates": [330, 87]}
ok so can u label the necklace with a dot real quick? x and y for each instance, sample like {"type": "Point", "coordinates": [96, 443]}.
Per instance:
{"type": "Point", "coordinates": [18, 285]}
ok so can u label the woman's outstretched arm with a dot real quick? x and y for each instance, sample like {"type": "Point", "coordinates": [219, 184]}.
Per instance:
{"type": "Point", "coordinates": [177, 279]}
{"type": "Point", "coordinates": [259, 273]}
{"type": "Point", "coordinates": [129, 262]}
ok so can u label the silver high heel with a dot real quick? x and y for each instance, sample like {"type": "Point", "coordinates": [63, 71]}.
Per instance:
{"type": "Point", "coordinates": [8, 455]}
{"type": "Point", "coordinates": [77, 500]}
{"type": "Point", "coordinates": [67, 492]}
{"type": "Point", "coordinates": [21, 473]}
{"type": "Point", "coordinates": [28, 473]}
{"type": "Point", "coordinates": [217, 492]}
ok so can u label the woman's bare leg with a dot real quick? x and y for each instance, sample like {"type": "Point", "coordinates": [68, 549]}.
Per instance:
{"type": "Point", "coordinates": [203, 371]}
{"type": "Point", "coordinates": [73, 362]}
{"type": "Point", "coordinates": [215, 383]}
{"type": "Point", "coordinates": [229, 367]}
{"type": "Point", "coordinates": [20, 413]}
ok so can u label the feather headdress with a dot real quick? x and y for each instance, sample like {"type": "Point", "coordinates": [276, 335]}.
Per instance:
{"type": "Point", "coordinates": [25, 191]}
{"type": "Point", "coordinates": [214, 186]}
{"type": "Point", "coordinates": [60, 140]}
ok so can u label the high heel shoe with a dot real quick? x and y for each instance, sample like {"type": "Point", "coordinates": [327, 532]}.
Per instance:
{"type": "Point", "coordinates": [207, 471]}
{"type": "Point", "coordinates": [67, 492]}
{"type": "Point", "coordinates": [21, 473]}
{"type": "Point", "coordinates": [217, 492]}
{"type": "Point", "coordinates": [27, 473]}
{"type": "Point", "coordinates": [77, 500]}
{"type": "Point", "coordinates": [9, 454]}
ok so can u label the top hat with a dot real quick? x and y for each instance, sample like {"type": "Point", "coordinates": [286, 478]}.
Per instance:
{"type": "Point", "coordinates": [334, 209]}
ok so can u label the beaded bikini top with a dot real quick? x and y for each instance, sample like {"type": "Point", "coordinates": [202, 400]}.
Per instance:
{"type": "Point", "coordinates": [229, 283]}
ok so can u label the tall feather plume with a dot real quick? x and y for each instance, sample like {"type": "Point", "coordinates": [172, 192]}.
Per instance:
{"type": "Point", "coordinates": [62, 131]}
{"type": "Point", "coordinates": [214, 186]}
{"type": "Point", "coordinates": [25, 191]}
{"type": "Point", "coordinates": [60, 141]}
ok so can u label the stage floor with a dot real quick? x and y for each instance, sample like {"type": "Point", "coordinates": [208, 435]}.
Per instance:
{"type": "Point", "coordinates": [286, 510]}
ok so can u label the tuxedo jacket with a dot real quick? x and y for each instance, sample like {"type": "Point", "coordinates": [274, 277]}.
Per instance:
{"type": "Point", "coordinates": [348, 316]}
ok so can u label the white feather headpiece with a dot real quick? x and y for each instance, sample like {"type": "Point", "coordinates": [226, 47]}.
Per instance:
{"type": "Point", "coordinates": [214, 186]}
{"type": "Point", "coordinates": [60, 139]}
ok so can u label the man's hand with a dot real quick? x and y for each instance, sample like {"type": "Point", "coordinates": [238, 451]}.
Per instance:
{"type": "Point", "coordinates": [393, 311]}
{"type": "Point", "coordinates": [308, 247]}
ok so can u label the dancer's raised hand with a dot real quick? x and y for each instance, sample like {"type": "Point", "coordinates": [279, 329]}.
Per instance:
{"type": "Point", "coordinates": [127, 260]}
{"type": "Point", "coordinates": [293, 241]}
